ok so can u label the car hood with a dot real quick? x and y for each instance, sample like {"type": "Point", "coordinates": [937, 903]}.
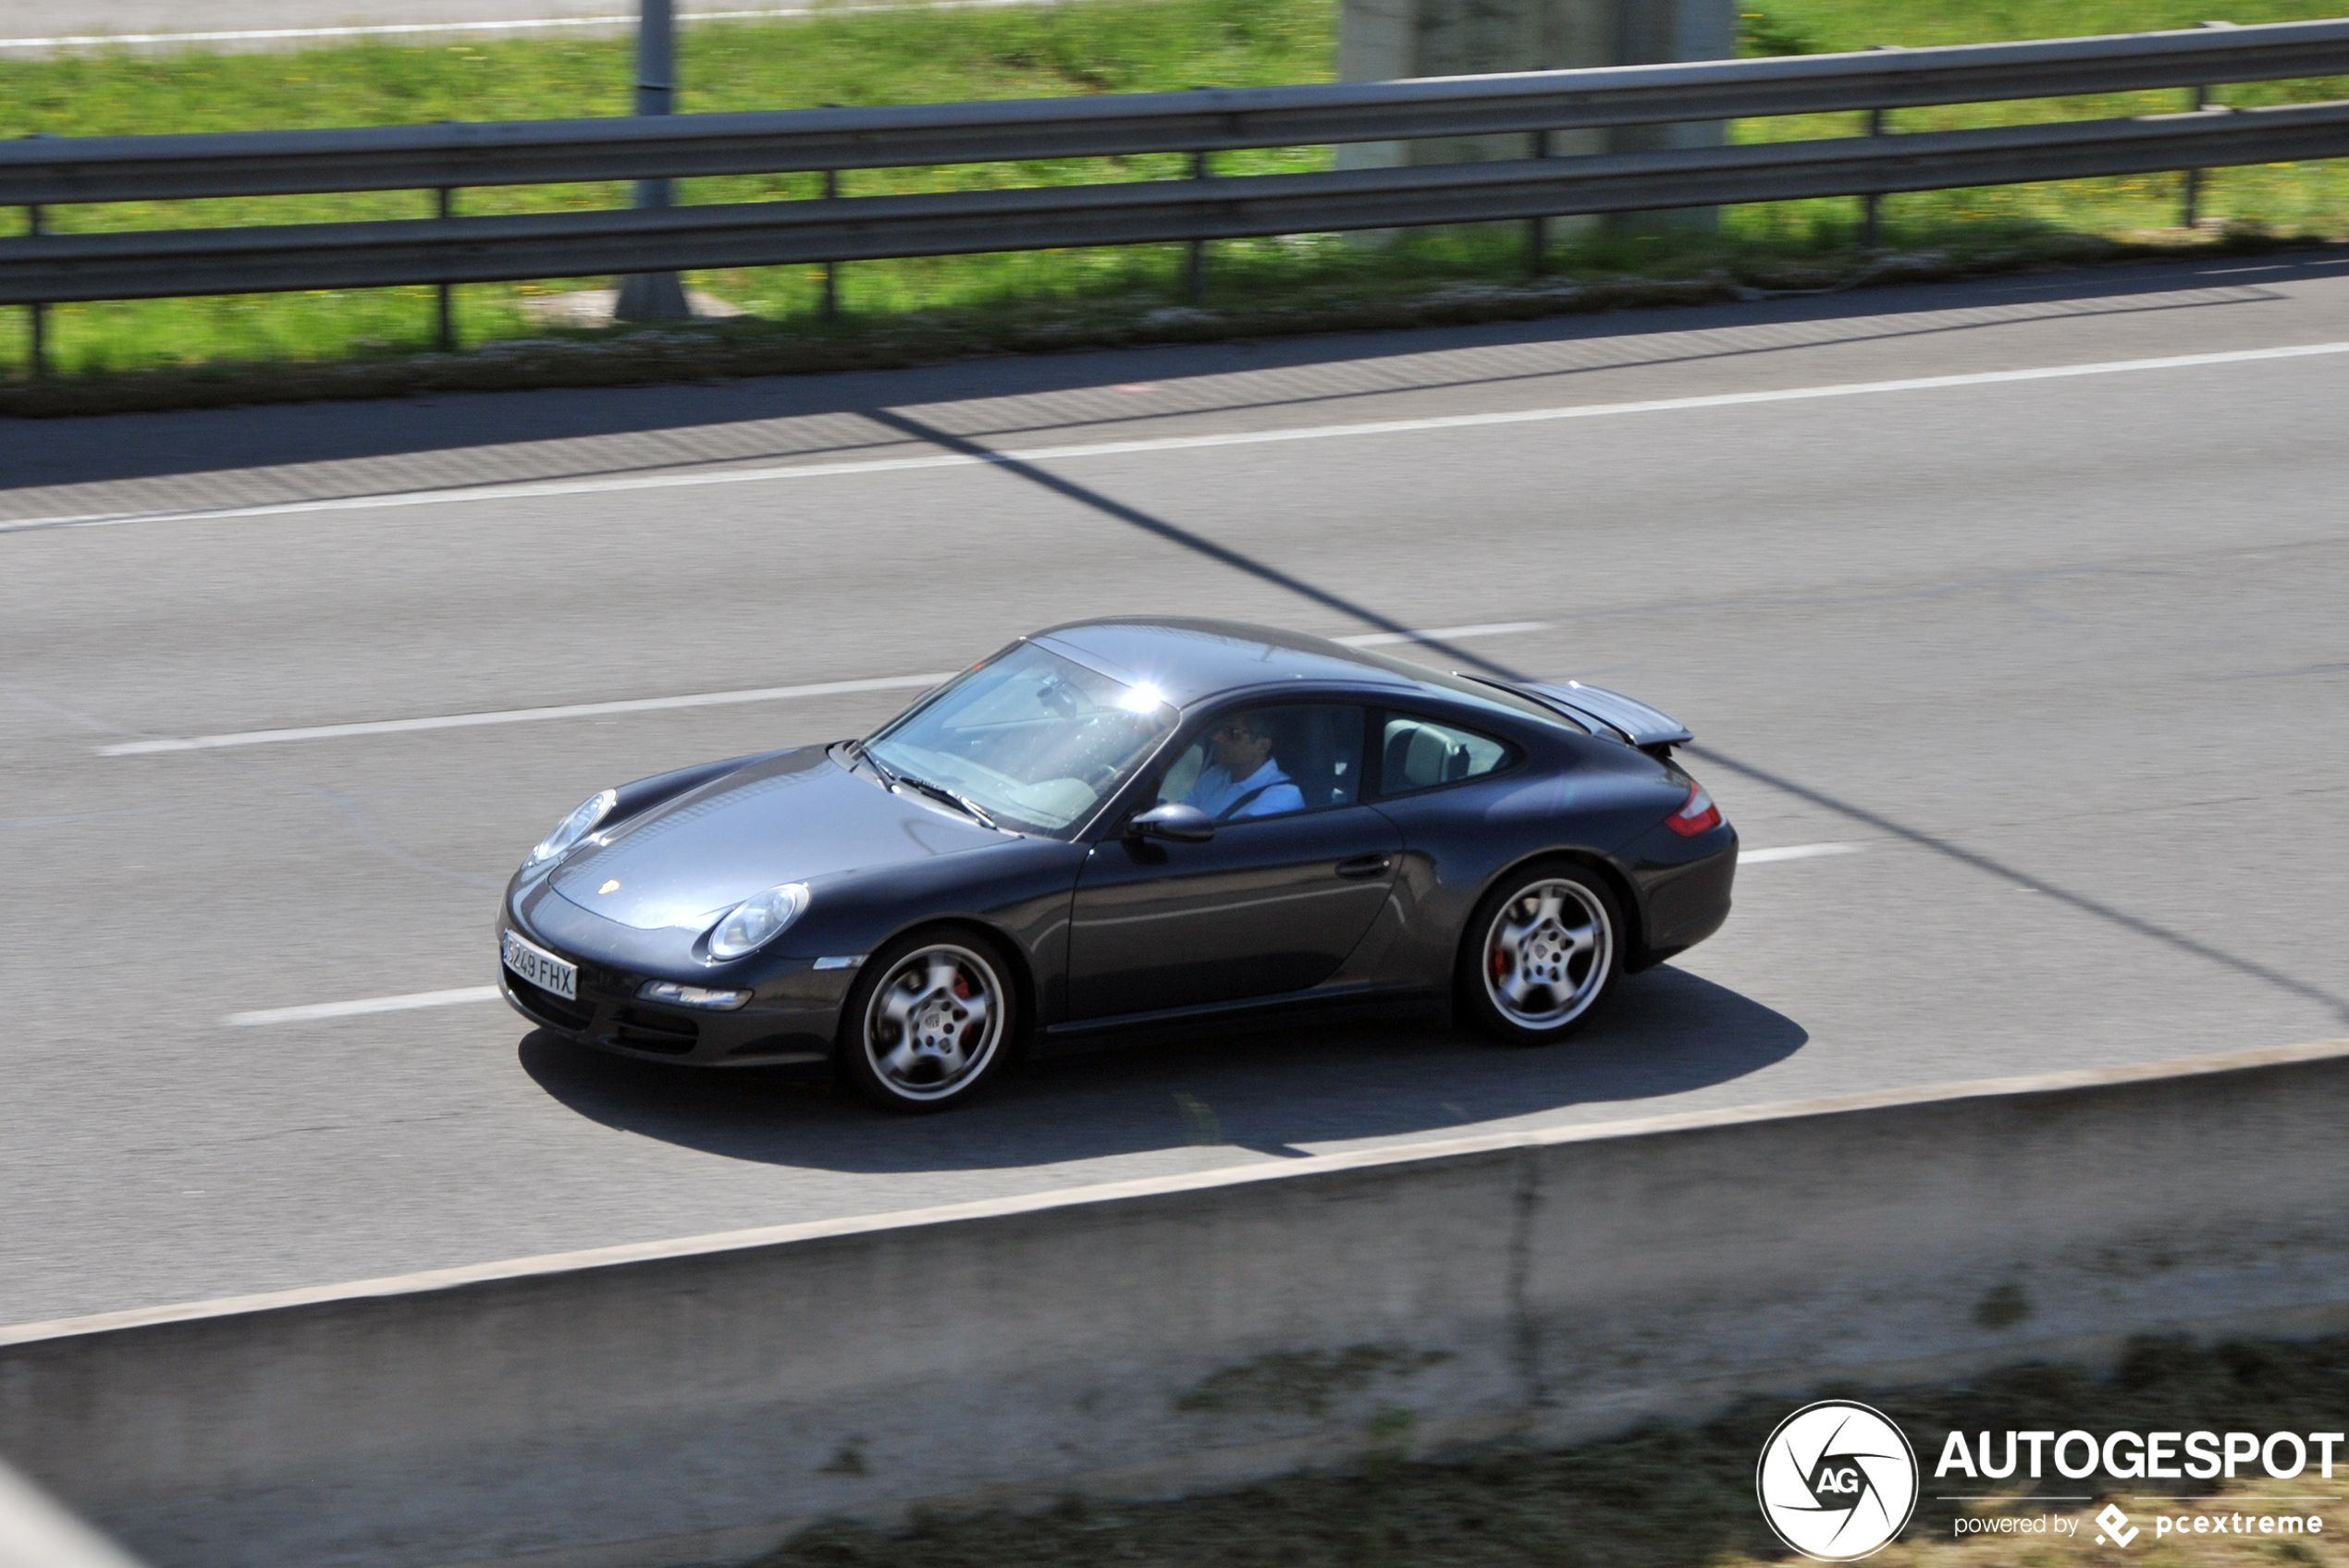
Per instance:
{"type": "Point", "coordinates": [795, 818]}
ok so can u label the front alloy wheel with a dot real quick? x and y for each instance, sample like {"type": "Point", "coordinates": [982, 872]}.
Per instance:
{"type": "Point", "coordinates": [1545, 952]}
{"type": "Point", "coordinates": [932, 1027]}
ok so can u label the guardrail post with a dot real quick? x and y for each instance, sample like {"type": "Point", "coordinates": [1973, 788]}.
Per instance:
{"type": "Point", "coordinates": [36, 313]}
{"type": "Point", "coordinates": [1194, 273]}
{"type": "Point", "coordinates": [447, 336]}
{"type": "Point", "coordinates": [831, 269]}
{"type": "Point", "coordinates": [2192, 214]}
{"type": "Point", "coordinates": [1536, 234]}
{"type": "Point", "coordinates": [1195, 268]}
{"type": "Point", "coordinates": [1869, 204]}
{"type": "Point", "coordinates": [2193, 176]}
{"type": "Point", "coordinates": [654, 295]}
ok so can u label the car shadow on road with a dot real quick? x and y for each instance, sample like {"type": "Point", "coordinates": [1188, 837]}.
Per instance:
{"type": "Point", "coordinates": [1273, 1090]}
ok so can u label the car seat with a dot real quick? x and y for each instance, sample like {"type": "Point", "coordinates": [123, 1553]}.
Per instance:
{"type": "Point", "coordinates": [1419, 756]}
{"type": "Point", "coordinates": [1307, 749]}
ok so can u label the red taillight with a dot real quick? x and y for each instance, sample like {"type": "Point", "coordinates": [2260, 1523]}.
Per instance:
{"type": "Point", "coordinates": [1697, 814]}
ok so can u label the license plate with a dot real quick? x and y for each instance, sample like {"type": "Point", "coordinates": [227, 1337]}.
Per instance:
{"type": "Point", "coordinates": [540, 967]}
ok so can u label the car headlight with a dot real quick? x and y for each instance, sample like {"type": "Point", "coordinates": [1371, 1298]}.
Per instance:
{"type": "Point", "coordinates": [575, 827]}
{"type": "Point", "coordinates": [754, 922]}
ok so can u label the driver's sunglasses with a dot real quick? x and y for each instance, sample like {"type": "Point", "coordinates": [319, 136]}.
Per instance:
{"type": "Point", "coordinates": [1235, 730]}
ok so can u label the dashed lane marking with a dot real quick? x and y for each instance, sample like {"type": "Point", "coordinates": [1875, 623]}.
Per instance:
{"type": "Point", "coordinates": [690, 700]}
{"type": "Point", "coordinates": [1794, 852]}
{"type": "Point", "coordinates": [365, 1004]}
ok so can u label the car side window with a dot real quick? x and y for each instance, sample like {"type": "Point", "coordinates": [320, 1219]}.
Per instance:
{"type": "Point", "coordinates": [1270, 761]}
{"type": "Point", "coordinates": [1419, 754]}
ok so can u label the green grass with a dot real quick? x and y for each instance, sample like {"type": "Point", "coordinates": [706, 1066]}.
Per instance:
{"type": "Point", "coordinates": [1082, 46]}
{"type": "Point", "coordinates": [2301, 196]}
{"type": "Point", "coordinates": [1088, 46]}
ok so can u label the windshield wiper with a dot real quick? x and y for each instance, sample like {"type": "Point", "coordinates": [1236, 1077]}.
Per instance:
{"type": "Point", "coordinates": [858, 749]}
{"type": "Point", "coordinates": [939, 791]}
{"type": "Point", "coordinates": [894, 779]}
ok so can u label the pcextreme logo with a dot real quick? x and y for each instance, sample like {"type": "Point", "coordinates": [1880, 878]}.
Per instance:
{"type": "Point", "coordinates": [1837, 1480]}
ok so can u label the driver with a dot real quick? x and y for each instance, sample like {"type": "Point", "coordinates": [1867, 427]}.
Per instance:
{"type": "Point", "coordinates": [1242, 778]}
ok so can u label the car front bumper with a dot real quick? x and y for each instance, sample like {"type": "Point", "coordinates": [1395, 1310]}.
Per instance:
{"type": "Point", "coordinates": [792, 1019]}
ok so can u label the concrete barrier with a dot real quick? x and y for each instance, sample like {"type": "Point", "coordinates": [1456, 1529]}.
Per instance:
{"type": "Point", "coordinates": [695, 1401]}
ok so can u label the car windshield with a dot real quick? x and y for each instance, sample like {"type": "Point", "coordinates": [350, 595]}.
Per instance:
{"type": "Point", "coordinates": [1035, 741]}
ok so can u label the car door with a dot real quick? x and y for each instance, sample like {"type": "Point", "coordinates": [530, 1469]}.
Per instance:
{"type": "Point", "coordinates": [1296, 871]}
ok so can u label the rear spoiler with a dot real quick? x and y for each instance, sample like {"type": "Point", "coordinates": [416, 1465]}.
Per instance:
{"type": "Point", "coordinates": [1611, 714]}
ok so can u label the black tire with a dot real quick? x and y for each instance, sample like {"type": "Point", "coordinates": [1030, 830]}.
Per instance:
{"type": "Point", "coordinates": [912, 1038]}
{"type": "Point", "coordinates": [1542, 953]}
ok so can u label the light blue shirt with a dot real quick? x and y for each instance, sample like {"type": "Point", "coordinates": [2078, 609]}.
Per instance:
{"type": "Point", "coordinates": [1216, 790]}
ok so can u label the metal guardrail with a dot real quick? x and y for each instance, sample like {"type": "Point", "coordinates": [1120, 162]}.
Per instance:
{"type": "Point", "coordinates": [47, 267]}
{"type": "Point", "coordinates": [358, 255]}
{"type": "Point", "coordinates": [129, 168]}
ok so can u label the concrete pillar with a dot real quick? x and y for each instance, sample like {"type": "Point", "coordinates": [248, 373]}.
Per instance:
{"type": "Point", "coordinates": [1386, 40]}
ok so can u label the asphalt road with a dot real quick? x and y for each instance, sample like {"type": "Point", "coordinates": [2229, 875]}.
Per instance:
{"type": "Point", "coordinates": [2061, 657]}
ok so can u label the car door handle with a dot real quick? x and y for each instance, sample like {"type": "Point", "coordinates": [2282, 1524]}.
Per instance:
{"type": "Point", "coordinates": [1364, 865]}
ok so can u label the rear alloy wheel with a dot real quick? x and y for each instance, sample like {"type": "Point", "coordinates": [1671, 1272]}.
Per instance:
{"type": "Point", "coordinates": [1542, 952]}
{"type": "Point", "coordinates": [927, 1024]}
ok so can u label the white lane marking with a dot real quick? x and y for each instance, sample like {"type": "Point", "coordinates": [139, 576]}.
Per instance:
{"type": "Point", "coordinates": [1441, 634]}
{"type": "Point", "coordinates": [516, 716]}
{"type": "Point", "coordinates": [1794, 852]}
{"type": "Point", "coordinates": [365, 1004]}
{"type": "Point", "coordinates": [693, 700]}
{"type": "Point", "coordinates": [536, 489]}
{"type": "Point", "coordinates": [525, 24]}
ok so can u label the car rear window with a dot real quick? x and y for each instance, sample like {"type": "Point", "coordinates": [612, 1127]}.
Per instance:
{"type": "Point", "coordinates": [1417, 753]}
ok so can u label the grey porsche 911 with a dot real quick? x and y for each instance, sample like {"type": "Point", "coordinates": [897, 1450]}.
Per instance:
{"type": "Point", "coordinates": [1116, 825]}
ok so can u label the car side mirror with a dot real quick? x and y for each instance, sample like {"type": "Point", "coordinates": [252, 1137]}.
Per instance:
{"type": "Point", "coordinates": [1182, 823]}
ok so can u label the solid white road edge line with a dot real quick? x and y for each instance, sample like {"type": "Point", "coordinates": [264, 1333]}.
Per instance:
{"type": "Point", "coordinates": [529, 490]}
{"type": "Point", "coordinates": [692, 700]}
{"type": "Point", "coordinates": [1794, 852]}
{"type": "Point", "coordinates": [489, 992]}
{"type": "Point", "coordinates": [365, 1004]}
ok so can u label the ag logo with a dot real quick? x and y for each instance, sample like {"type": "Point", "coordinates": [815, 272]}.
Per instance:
{"type": "Point", "coordinates": [1837, 1480]}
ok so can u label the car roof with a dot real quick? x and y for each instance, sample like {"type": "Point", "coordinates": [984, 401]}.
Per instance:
{"type": "Point", "coordinates": [1195, 661]}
